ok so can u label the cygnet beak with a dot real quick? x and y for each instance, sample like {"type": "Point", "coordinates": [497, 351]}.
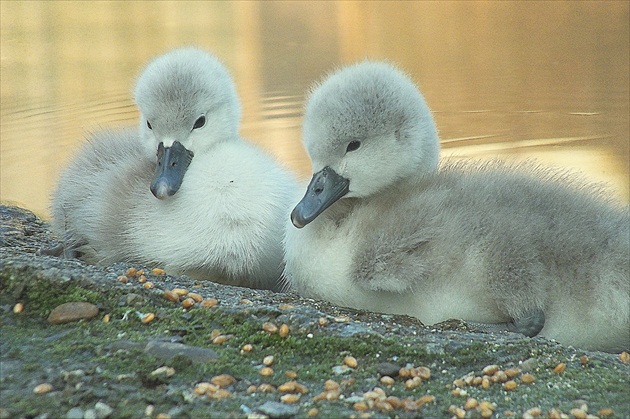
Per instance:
{"type": "Point", "coordinates": [172, 163]}
{"type": "Point", "coordinates": [325, 189]}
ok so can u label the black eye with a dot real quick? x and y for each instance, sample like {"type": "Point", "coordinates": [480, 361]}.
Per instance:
{"type": "Point", "coordinates": [200, 122]}
{"type": "Point", "coordinates": [353, 145]}
{"type": "Point", "coordinates": [149, 125]}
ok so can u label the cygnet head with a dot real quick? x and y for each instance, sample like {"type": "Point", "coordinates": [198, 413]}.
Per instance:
{"type": "Point", "coordinates": [187, 103]}
{"type": "Point", "coordinates": [365, 127]}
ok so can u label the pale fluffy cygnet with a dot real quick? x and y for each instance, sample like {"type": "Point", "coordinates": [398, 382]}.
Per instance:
{"type": "Point", "coordinates": [210, 205]}
{"type": "Point", "coordinates": [382, 228]}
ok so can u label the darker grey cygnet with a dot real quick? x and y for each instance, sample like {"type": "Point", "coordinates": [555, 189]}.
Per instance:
{"type": "Point", "coordinates": [384, 227]}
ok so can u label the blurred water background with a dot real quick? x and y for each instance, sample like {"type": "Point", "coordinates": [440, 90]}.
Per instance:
{"type": "Point", "coordinates": [510, 80]}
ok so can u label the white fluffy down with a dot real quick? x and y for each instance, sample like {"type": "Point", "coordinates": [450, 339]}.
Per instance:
{"type": "Point", "coordinates": [226, 222]}
{"type": "Point", "coordinates": [480, 242]}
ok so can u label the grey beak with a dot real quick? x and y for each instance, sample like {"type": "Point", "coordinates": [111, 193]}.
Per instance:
{"type": "Point", "coordinates": [325, 189]}
{"type": "Point", "coordinates": [172, 163]}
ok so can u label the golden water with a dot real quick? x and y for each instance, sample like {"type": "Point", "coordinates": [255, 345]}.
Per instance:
{"type": "Point", "coordinates": [514, 80]}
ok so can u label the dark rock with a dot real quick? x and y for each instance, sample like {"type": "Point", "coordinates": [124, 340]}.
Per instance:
{"type": "Point", "coordinates": [388, 368]}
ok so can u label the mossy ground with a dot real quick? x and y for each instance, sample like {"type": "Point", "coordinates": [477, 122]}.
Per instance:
{"type": "Point", "coordinates": [79, 361]}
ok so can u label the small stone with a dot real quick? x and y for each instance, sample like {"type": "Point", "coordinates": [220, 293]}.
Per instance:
{"type": "Point", "coordinates": [171, 296]}
{"type": "Point", "coordinates": [412, 383]}
{"type": "Point", "coordinates": [290, 398]}
{"type": "Point", "coordinates": [459, 383]}
{"type": "Point", "coordinates": [350, 361]}
{"type": "Point", "coordinates": [266, 388]}
{"type": "Point", "coordinates": [487, 406]}
{"type": "Point", "coordinates": [322, 321]}
{"type": "Point", "coordinates": [223, 380]}
{"type": "Point", "coordinates": [43, 388]}
{"type": "Point", "coordinates": [490, 369]}
{"type": "Point", "coordinates": [535, 412]}
{"type": "Point", "coordinates": [72, 312]}
{"type": "Point", "coordinates": [331, 385]}
{"type": "Point", "coordinates": [164, 370]}
{"type": "Point", "coordinates": [624, 357]}
{"type": "Point", "coordinates": [18, 308]}
{"type": "Point", "coordinates": [283, 332]}
{"type": "Point", "coordinates": [75, 413]}
{"type": "Point", "coordinates": [279, 410]}
{"type": "Point", "coordinates": [196, 297]}
{"type": "Point", "coordinates": [578, 413]}
{"type": "Point", "coordinates": [209, 302]}
{"type": "Point", "coordinates": [509, 385]}
{"type": "Point", "coordinates": [188, 303]}
{"type": "Point", "coordinates": [180, 291]}
{"type": "Point", "coordinates": [158, 271]}
{"type": "Point", "coordinates": [269, 328]}
{"type": "Point", "coordinates": [471, 403]}
{"type": "Point", "coordinates": [360, 406]}
{"type": "Point", "coordinates": [268, 360]}
{"type": "Point", "coordinates": [204, 387]}
{"type": "Point", "coordinates": [220, 339]}
{"type": "Point", "coordinates": [148, 318]}
{"type": "Point", "coordinates": [387, 381]}
{"type": "Point", "coordinates": [606, 412]}
{"type": "Point", "coordinates": [527, 378]}
{"type": "Point", "coordinates": [558, 369]}
{"type": "Point", "coordinates": [422, 372]}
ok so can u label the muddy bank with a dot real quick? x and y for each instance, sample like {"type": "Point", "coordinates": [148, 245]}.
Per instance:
{"type": "Point", "coordinates": [243, 353]}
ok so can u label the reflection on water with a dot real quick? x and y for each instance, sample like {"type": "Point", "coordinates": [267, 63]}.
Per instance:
{"type": "Point", "coordinates": [539, 80]}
